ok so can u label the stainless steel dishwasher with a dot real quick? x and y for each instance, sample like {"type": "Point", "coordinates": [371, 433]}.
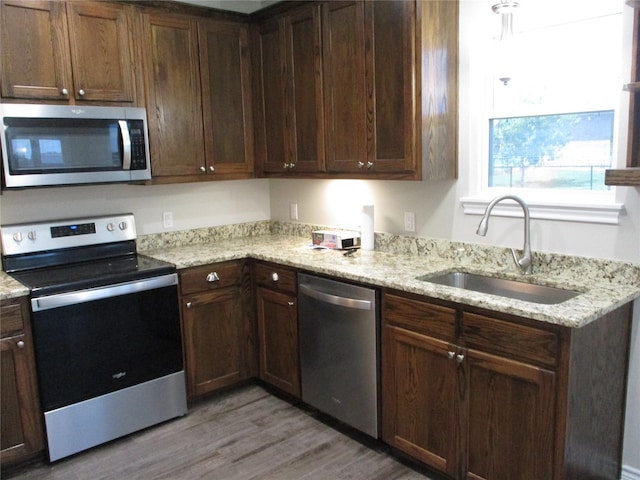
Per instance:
{"type": "Point", "coordinates": [338, 327]}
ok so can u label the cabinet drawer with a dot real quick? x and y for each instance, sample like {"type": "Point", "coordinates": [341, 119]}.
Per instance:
{"type": "Point", "coordinates": [420, 316]}
{"type": "Point", "coordinates": [12, 319]}
{"type": "Point", "coordinates": [510, 339]}
{"type": "Point", "coordinates": [210, 277]}
{"type": "Point", "coordinates": [275, 277]}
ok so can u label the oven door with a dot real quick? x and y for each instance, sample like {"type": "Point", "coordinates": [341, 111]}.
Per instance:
{"type": "Point", "coordinates": [95, 341]}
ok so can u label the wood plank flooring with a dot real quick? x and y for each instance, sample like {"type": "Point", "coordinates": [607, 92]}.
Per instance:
{"type": "Point", "coordinates": [245, 434]}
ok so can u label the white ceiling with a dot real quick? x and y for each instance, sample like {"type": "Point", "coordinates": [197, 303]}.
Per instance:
{"type": "Point", "coordinates": [242, 6]}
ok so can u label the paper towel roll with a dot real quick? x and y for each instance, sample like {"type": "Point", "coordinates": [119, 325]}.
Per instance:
{"type": "Point", "coordinates": [366, 235]}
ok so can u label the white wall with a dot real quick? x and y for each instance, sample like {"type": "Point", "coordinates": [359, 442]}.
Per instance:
{"type": "Point", "coordinates": [193, 205]}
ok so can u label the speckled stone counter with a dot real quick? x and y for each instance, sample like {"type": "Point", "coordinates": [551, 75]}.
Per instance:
{"type": "Point", "coordinates": [397, 261]}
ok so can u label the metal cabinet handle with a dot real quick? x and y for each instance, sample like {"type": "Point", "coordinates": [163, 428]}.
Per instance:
{"type": "Point", "coordinates": [202, 169]}
{"type": "Point", "coordinates": [212, 168]}
{"type": "Point", "coordinates": [81, 92]}
{"type": "Point", "coordinates": [360, 164]}
{"type": "Point", "coordinates": [291, 304]}
{"type": "Point", "coordinates": [189, 304]}
{"type": "Point", "coordinates": [459, 358]}
{"type": "Point", "coordinates": [213, 277]}
{"type": "Point", "coordinates": [20, 344]}
{"type": "Point", "coordinates": [369, 165]}
{"type": "Point", "coordinates": [275, 277]}
{"type": "Point", "coordinates": [450, 355]}
{"type": "Point", "coordinates": [64, 91]}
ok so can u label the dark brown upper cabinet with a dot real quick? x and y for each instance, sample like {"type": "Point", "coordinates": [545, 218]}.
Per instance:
{"type": "Point", "coordinates": [71, 52]}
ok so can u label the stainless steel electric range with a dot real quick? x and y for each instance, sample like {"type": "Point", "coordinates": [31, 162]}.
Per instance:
{"type": "Point", "coordinates": [106, 329]}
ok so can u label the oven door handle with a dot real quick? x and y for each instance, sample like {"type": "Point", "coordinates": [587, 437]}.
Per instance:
{"type": "Point", "coordinates": [98, 293]}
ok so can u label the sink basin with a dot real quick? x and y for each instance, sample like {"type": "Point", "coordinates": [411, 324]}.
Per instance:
{"type": "Point", "coordinates": [505, 288]}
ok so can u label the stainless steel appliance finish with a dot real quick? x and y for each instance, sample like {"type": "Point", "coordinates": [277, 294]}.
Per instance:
{"type": "Point", "coordinates": [106, 329]}
{"type": "Point", "coordinates": [48, 145]}
{"type": "Point", "coordinates": [338, 325]}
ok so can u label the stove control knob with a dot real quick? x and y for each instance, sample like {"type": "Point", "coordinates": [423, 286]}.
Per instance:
{"type": "Point", "coordinates": [122, 225]}
{"type": "Point", "coordinates": [17, 237]}
{"type": "Point", "coordinates": [32, 235]}
{"type": "Point", "coordinates": [111, 226]}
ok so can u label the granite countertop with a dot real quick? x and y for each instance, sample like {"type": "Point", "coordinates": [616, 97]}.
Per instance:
{"type": "Point", "coordinates": [603, 285]}
{"type": "Point", "coordinates": [396, 262]}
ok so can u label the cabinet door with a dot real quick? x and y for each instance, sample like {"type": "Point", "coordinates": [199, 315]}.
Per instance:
{"type": "Point", "coordinates": [213, 326]}
{"type": "Point", "coordinates": [419, 397]}
{"type": "Point", "coordinates": [270, 89]}
{"type": "Point", "coordinates": [510, 410]}
{"type": "Point", "coordinates": [278, 340]}
{"type": "Point", "coordinates": [345, 87]}
{"type": "Point", "coordinates": [174, 103]}
{"type": "Point", "coordinates": [304, 117]}
{"type": "Point", "coordinates": [101, 51]}
{"type": "Point", "coordinates": [391, 67]}
{"type": "Point", "coordinates": [34, 48]}
{"type": "Point", "coordinates": [226, 98]}
{"type": "Point", "coordinates": [21, 434]}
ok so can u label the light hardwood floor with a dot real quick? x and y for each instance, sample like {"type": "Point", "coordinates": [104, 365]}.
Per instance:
{"type": "Point", "coordinates": [243, 434]}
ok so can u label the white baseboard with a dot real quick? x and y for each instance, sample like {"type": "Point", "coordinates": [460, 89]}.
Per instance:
{"type": "Point", "coordinates": [630, 473]}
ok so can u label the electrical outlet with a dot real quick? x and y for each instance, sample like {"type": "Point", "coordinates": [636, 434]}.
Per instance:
{"type": "Point", "coordinates": [293, 211]}
{"type": "Point", "coordinates": [409, 221]}
{"type": "Point", "coordinates": [167, 219]}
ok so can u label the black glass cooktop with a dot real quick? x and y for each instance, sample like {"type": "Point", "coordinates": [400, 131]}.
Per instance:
{"type": "Point", "coordinates": [78, 276]}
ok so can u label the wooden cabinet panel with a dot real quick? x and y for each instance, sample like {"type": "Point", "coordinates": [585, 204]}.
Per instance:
{"type": "Point", "coordinates": [34, 50]}
{"type": "Point", "coordinates": [420, 316]}
{"type": "Point", "coordinates": [270, 88]}
{"type": "Point", "coordinates": [393, 65]}
{"type": "Point", "coordinates": [217, 326]}
{"type": "Point", "coordinates": [174, 102]}
{"type": "Point", "coordinates": [419, 398]}
{"type": "Point", "coordinates": [345, 93]}
{"type": "Point", "coordinates": [101, 51]}
{"type": "Point", "coordinates": [275, 277]}
{"type": "Point", "coordinates": [213, 329]}
{"type": "Point", "coordinates": [278, 340]}
{"type": "Point", "coordinates": [226, 97]}
{"type": "Point", "coordinates": [21, 433]}
{"type": "Point", "coordinates": [70, 51]}
{"type": "Point", "coordinates": [510, 419]}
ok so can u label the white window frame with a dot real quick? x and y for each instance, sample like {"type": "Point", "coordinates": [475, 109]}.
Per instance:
{"type": "Point", "coordinates": [567, 205]}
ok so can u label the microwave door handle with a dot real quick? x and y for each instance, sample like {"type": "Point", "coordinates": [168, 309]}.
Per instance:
{"type": "Point", "coordinates": [126, 145]}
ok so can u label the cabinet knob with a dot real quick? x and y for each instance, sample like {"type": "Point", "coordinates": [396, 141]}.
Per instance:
{"type": "Point", "coordinates": [369, 165]}
{"type": "Point", "coordinates": [291, 304]}
{"type": "Point", "coordinates": [212, 168]}
{"type": "Point", "coordinates": [20, 344]}
{"type": "Point", "coordinates": [450, 355]}
{"type": "Point", "coordinates": [360, 164]}
{"type": "Point", "coordinates": [202, 169]}
{"type": "Point", "coordinates": [189, 304]}
{"type": "Point", "coordinates": [64, 91]}
{"type": "Point", "coordinates": [81, 92]}
{"type": "Point", "coordinates": [213, 277]}
{"type": "Point", "coordinates": [275, 277]}
{"type": "Point", "coordinates": [292, 165]}
{"type": "Point", "coordinates": [459, 358]}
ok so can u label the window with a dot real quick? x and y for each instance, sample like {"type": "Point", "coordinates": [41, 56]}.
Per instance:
{"type": "Point", "coordinates": [552, 124]}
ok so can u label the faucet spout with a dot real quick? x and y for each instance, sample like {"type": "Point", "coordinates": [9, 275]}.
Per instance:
{"type": "Point", "coordinates": [524, 261]}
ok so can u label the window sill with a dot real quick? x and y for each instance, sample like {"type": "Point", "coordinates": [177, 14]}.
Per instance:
{"type": "Point", "coordinates": [606, 214]}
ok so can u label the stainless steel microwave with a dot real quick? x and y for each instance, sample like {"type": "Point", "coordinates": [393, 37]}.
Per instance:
{"type": "Point", "coordinates": [47, 145]}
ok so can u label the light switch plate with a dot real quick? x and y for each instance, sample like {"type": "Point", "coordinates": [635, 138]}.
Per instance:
{"type": "Point", "coordinates": [167, 219]}
{"type": "Point", "coordinates": [293, 211]}
{"type": "Point", "coordinates": [409, 221]}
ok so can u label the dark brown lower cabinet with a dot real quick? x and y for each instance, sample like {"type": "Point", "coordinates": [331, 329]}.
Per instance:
{"type": "Point", "coordinates": [218, 334]}
{"type": "Point", "coordinates": [21, 435]}
{"type": "Point", "coordinates": [277, 314]}
{"type": "Point", "coordinates": [482, 396]}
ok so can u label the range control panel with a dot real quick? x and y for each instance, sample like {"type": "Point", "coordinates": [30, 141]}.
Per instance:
{"type": "Point", "coordinates": [24, 238]}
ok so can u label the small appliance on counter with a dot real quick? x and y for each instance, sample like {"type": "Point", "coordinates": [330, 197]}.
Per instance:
{"type": "Point", "coordinates": [337, 239]}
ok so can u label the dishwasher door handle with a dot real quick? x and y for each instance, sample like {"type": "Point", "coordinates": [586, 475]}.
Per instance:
{"type": "Point", "coordinates": [335, 299]}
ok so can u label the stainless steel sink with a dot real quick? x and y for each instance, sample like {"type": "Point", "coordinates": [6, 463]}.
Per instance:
{"type": "Point", "coordinates": [528, 292]}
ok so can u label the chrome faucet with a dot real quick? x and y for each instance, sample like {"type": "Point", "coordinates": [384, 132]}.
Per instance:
{"type": "Point", "coordinates": [524, 262]}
